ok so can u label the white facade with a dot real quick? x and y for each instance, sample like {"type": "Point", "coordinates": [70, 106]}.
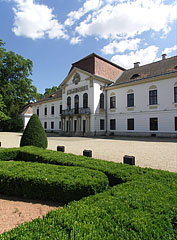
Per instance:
{"type": "Point", "coordinates": [136, 116]}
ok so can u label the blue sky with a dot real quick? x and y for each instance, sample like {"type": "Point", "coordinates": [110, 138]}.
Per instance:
{"type": "Point", "coordinates": [56, 33]}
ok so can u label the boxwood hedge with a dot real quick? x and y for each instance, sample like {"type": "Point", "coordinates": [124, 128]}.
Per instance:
{"type": "Point", "coordinates": [49, 182]}
{"type": "Point", "coordinates": [143, 207]}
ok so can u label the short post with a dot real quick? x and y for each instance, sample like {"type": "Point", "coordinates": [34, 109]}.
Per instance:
{"type": "Point", "coordinates": [60, 148]}
{"type": "Point", "coordinates": [129, 160]}
{"type": "Point", "coordinates": [87, 153]}
{"type": "Point", "coordinates": [0, 144]}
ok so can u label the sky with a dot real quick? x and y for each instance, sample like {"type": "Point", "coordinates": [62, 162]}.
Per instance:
{"type": "Point", "coordinates": [56, 33]}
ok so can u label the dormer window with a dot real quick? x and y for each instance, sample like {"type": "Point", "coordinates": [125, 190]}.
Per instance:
{"type": "Point", "coordinates": [175, 67]}
{"type": "Point", "coordinates": [135, 76]}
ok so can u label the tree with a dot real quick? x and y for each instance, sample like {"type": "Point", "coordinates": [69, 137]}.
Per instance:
{"type": "Point", "coordinates": [15, 83]}
{"type": "Point", "coordinates": [3, 116]}
{"type": "Point", "coordinates": [34, 134]}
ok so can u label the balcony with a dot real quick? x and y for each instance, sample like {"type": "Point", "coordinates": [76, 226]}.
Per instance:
{"type": "Point", "coordinates": [76, 111]}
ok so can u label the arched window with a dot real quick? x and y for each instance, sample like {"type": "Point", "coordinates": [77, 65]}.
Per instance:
{"type": "Point", "coordinates": [69, 103]}
{"type": "Point", "coordinates": [102, 101]}
{"type": "Point", "coordinates": [85, 100]}
{"type": "Point", "coordinates": [76, 103]}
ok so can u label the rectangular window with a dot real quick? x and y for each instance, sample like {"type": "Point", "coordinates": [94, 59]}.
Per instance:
{"type": "Point", "coordinates": [153, 124]}
{"type": "Point", "coordinates": [153, 97]}
{"type": "Point", "coordinates": [130, 124]}
{"type": "Point", "coordinates": [45, 125]}
{"type": "Point", "coordinates": [175, 94]}
{"type": "Point", "coordinates": [52, 125]}
{"type": "Point", "coordinates": [60, 109]}
{"type": "Point", "coordinates": [52, 110]}
{"type": "Point", "coordinates": [112, 124]}
{"type": "Point", "coordinates": [101, 124]}
{"type": "Point", "coordinates": [130, 100]}
{"type": "Point", "coordinates": [38, 112]}
{"type": "Point", "coordinates": [113, 102]}
{"type": "Point", "coordinates": [175, 123]}
{"type": "Point", "coordinates": [45, 111]}
{"type": "Point", "coordinates": [59, 124]}
{"type": "Point", "coordinates": [75, 125]}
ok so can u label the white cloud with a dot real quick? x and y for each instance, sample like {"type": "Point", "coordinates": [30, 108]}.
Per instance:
{"type": "Point", "coordinates": [122, 46]}
{"type": "Point", "coordinates": [89, 5]}
{"type": "Point", "coordinates": [35, 21]}
{"type": "Point", "coordinates": [144, 56]}
{"type": "Point", "coordinates": [169, 50]}
{"type": "Point", "coordinates": [75, 40]}
{"type": "Point", "coordinates": [128, 19]}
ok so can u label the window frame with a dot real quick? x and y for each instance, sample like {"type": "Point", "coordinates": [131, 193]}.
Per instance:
{"type": "Point", "coordinates": [175, 94]}
{"type": "Point", "coordinates": [102, 101]}
{"type": "Point", "coordinates": [45, 125]}
{"type": "Point", "coordinates": [153, 97]}
{"type": "Point", "coordinates": [102, 124]}
{"type": "Point", "coordinates": [112, 102]}
{"type": "Point", "coordinates": [113, 126]}
{"type": "Point", "coordinates": [152, 126]}
{"type": "Point", "coordinates": [130, 124]}
{"type": "Point", "coordinates": [52, 125]}
{"type": "Point", "coordinates": [85, 100]}
{"type": "Point", "coordinates": [130, 99]}
{"type": "Point", "coordinates": [45, 111]}
{"type": "Point", "coordinates": [52, 110]}
{"type": "Point", "coordinates": [68, 103]}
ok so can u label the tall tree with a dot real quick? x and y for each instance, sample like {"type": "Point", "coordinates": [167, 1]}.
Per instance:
{"type": "Point", "coordinates": [15, 82]}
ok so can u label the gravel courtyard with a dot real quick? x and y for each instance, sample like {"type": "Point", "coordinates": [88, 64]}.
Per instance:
{"type": "Point", "coordinates": [149, 152]}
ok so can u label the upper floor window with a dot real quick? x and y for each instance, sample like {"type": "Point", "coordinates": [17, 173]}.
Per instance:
{"type": "Point", "coordinates": [113, 102]}
{"type": "Point", "coordinates": [37, 112]}
{"type": "Point", "coordinates": [60, 109]}
{"type": "Point", "coordinates": [45, 111]}
{"type": "Point", "coordinates": [76, 104]}
{"type": "Point", "coordinates": [85, 100]}
{"type": "Point", "coordinates": [175, 94]}
{"type": "Point", "coordinates": [69, 103]}
{"type": "Point", "coordinates": [152, 97]}
{"type": "Point", "coordinates": [52, 110]}
{"type": "Point", "coordinates": [102, 101]}
{"type": "Point", "coordinates": [130, 100]}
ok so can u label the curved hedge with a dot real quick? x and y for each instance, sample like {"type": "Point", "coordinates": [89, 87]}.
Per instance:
{"type": "Point", "coordinates": [49, 182]}
{"type": "Point", "coordinates": [143, 207]}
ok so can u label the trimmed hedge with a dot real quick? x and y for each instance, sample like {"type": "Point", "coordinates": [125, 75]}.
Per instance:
{"type": "Point", "coordinates": [143, 207]}
{"type": "Point", "coordinates": [49, 182]}
{"type": "Point", "coordinates": [138, 210]}
{"type": "Point", "coordinates": [34, 134]}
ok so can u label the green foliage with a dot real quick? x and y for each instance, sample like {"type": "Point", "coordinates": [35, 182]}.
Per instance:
{"type": "Point", "coordinates": [143, 207]}
{"type": "Point", "coordinates": [34, 134]}
{"type": "Point", "coordinates": [12, 125]}
{"type": "Point", "coordinates": [49, 182]}
{"type": "Point", "coordinates": [16, 87]}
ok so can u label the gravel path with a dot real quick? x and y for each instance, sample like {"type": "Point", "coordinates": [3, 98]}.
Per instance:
{"type": "Point", "coordinates": [14, 211]}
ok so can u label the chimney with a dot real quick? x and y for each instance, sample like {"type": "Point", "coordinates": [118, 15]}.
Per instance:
{"type": "Point", "coordinates": [136, 64]}
{"type": "Point", "coordinates": [164, 56]}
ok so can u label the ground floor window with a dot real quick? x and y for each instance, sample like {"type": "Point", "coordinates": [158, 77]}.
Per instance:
{"type": "Point", "coordinates": [112, 124]}
{"type": "Point", "coordinates": [130, 124]}
{"type": "Point", "coordinates": [59, 124]}
{"type": "Point", "coordinates": [101, 124]}
{"type": "Point", "coordinates": [175, 123]}
{"type": "Point", "coordinates": [75, 125]}
{"type": "Point", "coordinates": [52, 125]}
{"type": "Point", "coordinates": [45, 125]}
{"type": "Point", "coordinates": [67, 126]}
{"type": "Point", "coordinates": [153, 124]}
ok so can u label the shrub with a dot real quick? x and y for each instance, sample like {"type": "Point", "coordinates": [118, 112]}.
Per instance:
{"type": "Point", "coordinates": [34, 134]}
{"type": "Point", "coordinates": [49, 182]}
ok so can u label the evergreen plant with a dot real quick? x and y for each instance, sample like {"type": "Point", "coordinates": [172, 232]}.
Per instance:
{"type": "Point", "coordinates": [34, 134]}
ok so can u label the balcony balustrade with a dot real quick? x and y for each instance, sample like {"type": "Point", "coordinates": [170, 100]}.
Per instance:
{"type": "Point", "coordinates": [75, 111]}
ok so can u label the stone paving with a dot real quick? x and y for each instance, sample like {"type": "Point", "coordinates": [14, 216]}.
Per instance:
{"type": "Point", "coordinates": [156, 153]}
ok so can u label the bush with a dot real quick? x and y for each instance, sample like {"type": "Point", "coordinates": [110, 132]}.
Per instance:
{"type": "Point", "coordinates": [49, 182]}
{"type": "Point", "coordinates": [12, 125]}
{"type": "Point", "coordinates": [34, 134]}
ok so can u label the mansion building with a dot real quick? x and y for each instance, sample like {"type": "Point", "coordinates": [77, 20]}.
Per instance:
{"type": "Point", "coordinates": [99, 97]}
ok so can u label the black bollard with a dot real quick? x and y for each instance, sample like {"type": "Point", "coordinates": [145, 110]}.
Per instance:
{"type": "Point", "coordinates": [87, 153]}
{"type": "Point", "coordinates": [60, 148]}
{"type": "Point", "coordinates": [129, 160]}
